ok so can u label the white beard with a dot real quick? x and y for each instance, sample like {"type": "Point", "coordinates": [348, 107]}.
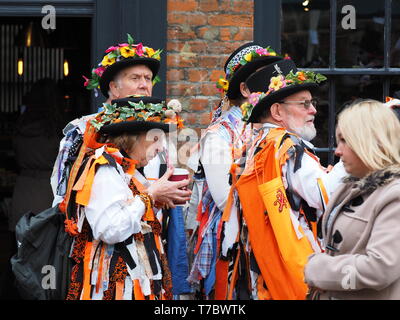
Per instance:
{"type": "Point", "coordinates": [307, 132]}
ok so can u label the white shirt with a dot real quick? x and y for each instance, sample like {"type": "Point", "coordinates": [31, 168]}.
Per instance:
{"type": "Point", "coordinates": [113, 213]}
{"type": "Point", "coordinates": [216, 157]}
{"type": "Point", "coordinates": [304, 182]}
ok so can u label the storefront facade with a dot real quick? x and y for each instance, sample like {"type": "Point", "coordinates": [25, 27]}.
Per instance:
{"type": "Point", "coordinates": [355, 43]}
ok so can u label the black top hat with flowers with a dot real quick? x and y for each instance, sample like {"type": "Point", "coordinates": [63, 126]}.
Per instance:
{"type": "Point", "coordinates": [137, 114]}
{"type": "Point", "coordinates": [119, 57]}
{"type": "Point", "coordinates": [241, 63]}
{"type": "Point", "coordinates": [275, 82]}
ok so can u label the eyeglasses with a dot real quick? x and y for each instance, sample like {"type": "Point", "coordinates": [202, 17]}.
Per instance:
{"type": "Point", "coordinates": [306, 103]}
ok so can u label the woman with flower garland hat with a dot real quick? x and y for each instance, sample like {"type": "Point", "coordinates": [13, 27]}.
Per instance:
{"type": "Point", "coordinates": [219, 147]}
{"type": "Point", "coordinates": [117, 250]}
{"type": "Point", "coordinates": [283, 184]}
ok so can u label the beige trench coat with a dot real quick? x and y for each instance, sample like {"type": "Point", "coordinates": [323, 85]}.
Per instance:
{"type": "Point", "coordinates": [361, 226]}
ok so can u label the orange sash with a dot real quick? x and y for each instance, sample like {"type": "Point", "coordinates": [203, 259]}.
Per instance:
{"type": "Point", "coordinates": [279, 251]}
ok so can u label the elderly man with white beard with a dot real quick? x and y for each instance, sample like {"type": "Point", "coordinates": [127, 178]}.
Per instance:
{"type": "Point", "coordinates": [283, 189]}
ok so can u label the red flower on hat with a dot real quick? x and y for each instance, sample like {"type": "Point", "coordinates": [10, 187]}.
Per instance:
{"type": "Point", "coordinates": [99, 71]}
{"type": "Point", "coordinates": [262, 52]}
{"type": "Point", "coordinates": [139, 49]}
{"type": "Point", "coordinates": [111, 49]}
{"type": "Point", "coordinates": [86, 81]}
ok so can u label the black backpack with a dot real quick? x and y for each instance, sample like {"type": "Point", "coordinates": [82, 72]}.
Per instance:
{"type": "Point", "coordinates": [41, 265]}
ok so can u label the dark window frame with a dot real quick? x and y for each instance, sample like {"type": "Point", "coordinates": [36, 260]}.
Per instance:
{"type": "Point", "coordinates": [268, 16]}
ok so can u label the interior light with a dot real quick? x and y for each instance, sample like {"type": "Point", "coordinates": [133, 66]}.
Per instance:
{"type": "Point", "coordinates": [20, 66]}
{"type": "Point", "coordinates": [306, 9]}
{"type": "Point", "coordinates": [305, 3]}
{"type": "Point", "coordinates": [66, 68]}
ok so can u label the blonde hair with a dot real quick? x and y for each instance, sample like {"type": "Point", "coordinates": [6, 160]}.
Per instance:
{"type": "Point", "coordinates": [372, 131]}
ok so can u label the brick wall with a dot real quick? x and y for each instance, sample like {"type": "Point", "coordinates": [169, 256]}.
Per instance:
{"type": "Point", "coordinates": [201, 36]}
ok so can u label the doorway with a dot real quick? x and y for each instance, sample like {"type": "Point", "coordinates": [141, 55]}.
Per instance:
{"type": "Point", "coordinates": [33, 60]}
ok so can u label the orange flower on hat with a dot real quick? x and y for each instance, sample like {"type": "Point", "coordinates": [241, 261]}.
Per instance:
{"type": "Point", "coordinates": [107, 61]}
{"type": "Point", "coordinates": [180, 122]}
{"type": "Point", "coordinates": [301, 76]}
{"type": "Point", "coordinates": [127, 52]}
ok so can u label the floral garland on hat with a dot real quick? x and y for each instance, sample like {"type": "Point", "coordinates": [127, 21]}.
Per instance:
{"type": "Point", "coordinates": [118, 53]}
{"type": "Point", "coordinates": [140, 111]}
{"type": "Point", "coordinates": [277, 83]}
{"type": "Point", "coordinates": [222, 83]}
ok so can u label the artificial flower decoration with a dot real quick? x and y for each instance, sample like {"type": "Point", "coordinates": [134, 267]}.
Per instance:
{"type": "Point", "coordinates": [127, 52]}
{"type": "Point", "coordinates": [140, 52]}
{"type": "Point", "coordinates": [254, 98]}
{"type": "Point", "coordinates": [262, 51]}
{"type": "Point", "coordinates": [118, 53]}
{"type": "Point", "coordinates": [250, 57]}
{"type": "Point", "coordinates": [99, 71]}
{"type": "Point", "coordinates": [175, 105]}
{"type": "Point", "coordinates": [150, 52]}
{"type": "Point", "coordinates": [222, 85]}
{"type": "Point", "coordinates": [107, 61]}
{"type": "Point", "coordinates": [301, 76]}
{"type": "Point", "coordinates": [277, 83]}
{"type": "Point", "coordinates": [140, 111]}
{"type": "Point", "coordinates": [304, 77]}
{"type": "Point", "coordinates": [246, 108]}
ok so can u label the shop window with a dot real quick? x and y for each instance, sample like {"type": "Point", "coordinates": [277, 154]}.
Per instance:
{"type": "Point", "coordinates": [355, 43]}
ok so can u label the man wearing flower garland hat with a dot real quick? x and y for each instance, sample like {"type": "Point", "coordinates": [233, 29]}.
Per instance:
{"type": "Point", "coordinates": [219, 147]}
{"type": "Point", "coordinates": [126, 69]}
{"type": "Point", "coordinates": [283, 184]}
{"type": "Point", "coordinates": [117, 251]}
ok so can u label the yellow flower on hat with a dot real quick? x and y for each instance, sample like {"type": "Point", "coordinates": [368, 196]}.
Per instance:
{"type": "Point", "coordinates": [107, 61]}
{"type": "Point", "coordinates": [245, 108]}
{"type": "Point", "coordinates": [150, 51]}
{"type": "Point", "coordinates": [248, 57]}
{"type": "Point", "coordinates": [273, 53]}
{"type": "Point", "coordinates": [127, 52]}
{"type": "Point", "coordinates": [276, 83]}
{"type": "Point", "coordinates": [223, 84]}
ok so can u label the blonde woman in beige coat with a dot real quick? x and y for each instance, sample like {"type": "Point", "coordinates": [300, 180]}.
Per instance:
{"type": "Point", "coordinates": [361, 225]}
